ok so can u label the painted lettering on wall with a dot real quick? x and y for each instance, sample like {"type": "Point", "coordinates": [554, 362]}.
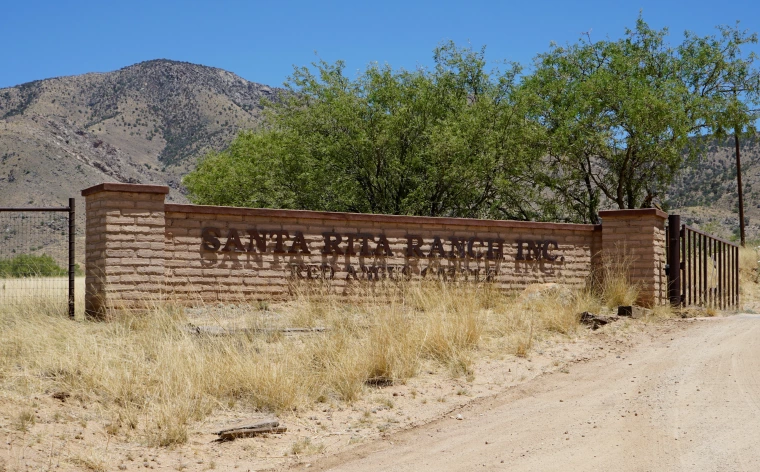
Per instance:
{"type": "Point", "coordinates": [276, 241]}
{"type": "Point", "coordinates": [374, 273]}
{"type": "Point", "coordinates": [537, 250]}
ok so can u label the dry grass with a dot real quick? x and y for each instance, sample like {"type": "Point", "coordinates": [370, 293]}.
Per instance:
{"type": "Point", "coordinates": [518, 323]}
{"type": "Point", "coordinates": [95, 464]}
{"type": "Point", "coordinates": [612, 281]}
{"type": "Point", "coordinates": [306, 447]}
{"type": "Point", "coordinates": [151, 378]}
{"type": "Point", "coordinates": [661, 312]}
{"type": "Point", "coordinates": [748, 263]}
{"type": "Point", "coordinates": [749, 275]}
{"type": "Point", "coordinates": [50, 290]}
{"type": "Point", "coordinates": [24, 421]}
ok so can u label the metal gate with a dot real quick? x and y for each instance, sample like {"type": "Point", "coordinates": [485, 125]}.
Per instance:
{"type": "Point", "coordinates": [702, 270]}
{"type": "Point", "coordinates": [37, 253]}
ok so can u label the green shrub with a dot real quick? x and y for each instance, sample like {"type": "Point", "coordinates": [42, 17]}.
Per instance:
{"type": "Point", "coordinates": [29, 265]}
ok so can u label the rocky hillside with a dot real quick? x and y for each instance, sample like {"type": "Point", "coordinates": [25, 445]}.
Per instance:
{"type": "Point", "coordinates": [705, 191]}
{"type": "Point", "coordinates": [146, 123]}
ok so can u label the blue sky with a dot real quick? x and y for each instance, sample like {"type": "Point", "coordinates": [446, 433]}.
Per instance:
{"type": "Point", "coordinates": [262, 41]}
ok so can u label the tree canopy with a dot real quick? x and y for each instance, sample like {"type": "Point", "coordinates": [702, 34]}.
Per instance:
{"type": "Point", "coordinates": [621, 116]}
{"type": "Point", "coordinates": [454, 140]}
{"type": "Point", "coordinates": [592, 125]}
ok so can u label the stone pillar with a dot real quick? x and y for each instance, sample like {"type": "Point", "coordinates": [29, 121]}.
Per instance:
{"type": "Point", "coordinates": [637, 237]}
{"type": "Point", "coordinates": [124, 240]}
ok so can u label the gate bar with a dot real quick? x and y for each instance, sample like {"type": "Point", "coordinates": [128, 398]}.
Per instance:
{"type": "Point", "coordinates": [36, 208]}
{"type": "Point", "coordinates": [729, 279]}
{"type": "Point", "coordinates": [715, 272]}
{"type": "Point", "coordinates": [736, 277]}
{"type": "Point", "coordinates": [721, 273]}
{"type": "Point", "coordinates": [72, 264]}
{"type": "Point", "coordinates": [674, 259]}
{"type": "Point", "coordinates": [689, 256]}
{"type": "Point", "coordinates": [705, 268]}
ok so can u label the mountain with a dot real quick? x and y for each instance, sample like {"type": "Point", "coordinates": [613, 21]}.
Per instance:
{"type": "Point", "coordinates": [704, 192]}
{"type": "Point", "coordinates": [146, 123]}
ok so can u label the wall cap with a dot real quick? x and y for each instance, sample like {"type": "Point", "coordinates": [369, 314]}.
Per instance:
{"type": "Point", "coordinates": [120, 187]}
{"type": "Point", "coordinates": [370, 217]}
{"type": "Point", "coordinates": [633, 213]}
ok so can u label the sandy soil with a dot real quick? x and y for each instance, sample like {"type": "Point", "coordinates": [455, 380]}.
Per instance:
{"type": "Point", "coordinates": [686, 400]}
{"type": "Point", "coordinates": [672, 395]}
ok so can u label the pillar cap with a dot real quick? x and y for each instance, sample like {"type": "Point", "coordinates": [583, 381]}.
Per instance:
{"type": "Point", "coordinates": [119, 187]}
{"type": "Point", "coordinates": [633, 213]}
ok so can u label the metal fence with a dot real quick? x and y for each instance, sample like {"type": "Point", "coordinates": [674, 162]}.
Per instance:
{"type": "Point", "coordinates": [37, 255]}
{"type": "Point", "coordinates": [706, 268]}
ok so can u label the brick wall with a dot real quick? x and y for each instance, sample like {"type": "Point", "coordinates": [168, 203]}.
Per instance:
{"type": "Point", "coordinates": [637, 237]}
{"type": "Point", "coordinates": [211, 275]}
{"type": "Point", "coordinates": [124, 248]}
{"type": "Point", "coordinates": [140, 249]}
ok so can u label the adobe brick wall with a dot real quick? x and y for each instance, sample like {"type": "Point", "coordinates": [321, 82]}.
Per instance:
{"type": "Point", "coordinates": [140, 249]}
{"type": "Point", "coordinates": [205, 275]}
{"type": "Point", "coordinates": [124, 255]}
{"type": "Point", "coordinates": [638, 238]}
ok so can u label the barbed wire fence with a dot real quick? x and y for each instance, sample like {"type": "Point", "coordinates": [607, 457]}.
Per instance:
{"type": "Point", "coordinates": [37, 255]}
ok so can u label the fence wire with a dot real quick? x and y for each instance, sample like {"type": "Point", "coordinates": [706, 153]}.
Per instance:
{"type": "Point", "coordinates": [34, 256]}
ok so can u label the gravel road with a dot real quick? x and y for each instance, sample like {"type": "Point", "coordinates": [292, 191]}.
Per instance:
{"type": "Point", "coordinates": [684, 401]}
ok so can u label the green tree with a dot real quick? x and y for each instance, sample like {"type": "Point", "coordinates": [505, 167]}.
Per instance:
{"type": "Point", "coordinates": [621, 116]}
{"type": "Point", "coordinates": [450, 141]}
{"type": "Point", "coordinates": [725, 78]}
{"type": "Point", "coordinates": [617, 117]}
{"type": "Point", "coordinates": [594, 125]}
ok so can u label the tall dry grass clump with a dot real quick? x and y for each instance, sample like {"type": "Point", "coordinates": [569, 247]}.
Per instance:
{"type": "Point", "coordinates": [385, 335]}
{"type": "Point", "coordinates": [612, 282]}
{"type": "Point", "coordinates": [519, 322]}
{"type": "Point", "coordinates": [451, 322]}
{"type": "Point", "coordinates": [749, 274]}
{"type": "Point", "coordinates": [749, 265]}
{"type": "Point", "coordinates": [152, 376]}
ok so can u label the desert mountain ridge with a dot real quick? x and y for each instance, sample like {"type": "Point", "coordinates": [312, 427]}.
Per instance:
{"type": "Point", "coordinates": [145, 123]}
{"type": "Point", "coordinates": [705, 194]}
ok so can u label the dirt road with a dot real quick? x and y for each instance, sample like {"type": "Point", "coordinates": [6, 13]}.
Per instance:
{"type": "Point", "coordinates": [689, 401]}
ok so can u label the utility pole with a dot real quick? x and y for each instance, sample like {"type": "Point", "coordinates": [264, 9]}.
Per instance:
{"type": "Point", "coordinates": [739, 185]}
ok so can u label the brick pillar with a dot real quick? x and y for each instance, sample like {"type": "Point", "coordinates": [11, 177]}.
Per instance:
{"type": "Point", "coordinates": [124, 246]}
{"type": "Point", "coordinates": [638, 237]}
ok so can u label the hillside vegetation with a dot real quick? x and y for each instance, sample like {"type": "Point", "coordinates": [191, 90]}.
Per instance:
{"type": "Point", "coordinates": [704, 191]}
{"type": "Point", "coordinates": [146, 123]}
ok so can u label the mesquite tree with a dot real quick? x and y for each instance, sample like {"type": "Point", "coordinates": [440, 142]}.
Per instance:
{"type": "Point", "coordinates": [621, 116]}
{"type": "Point", "coordinates": [723, 76]}
{"type": "Point", "coordinates": [595, 124]}
{"type": "Point", "coordinates": [450, 141]}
